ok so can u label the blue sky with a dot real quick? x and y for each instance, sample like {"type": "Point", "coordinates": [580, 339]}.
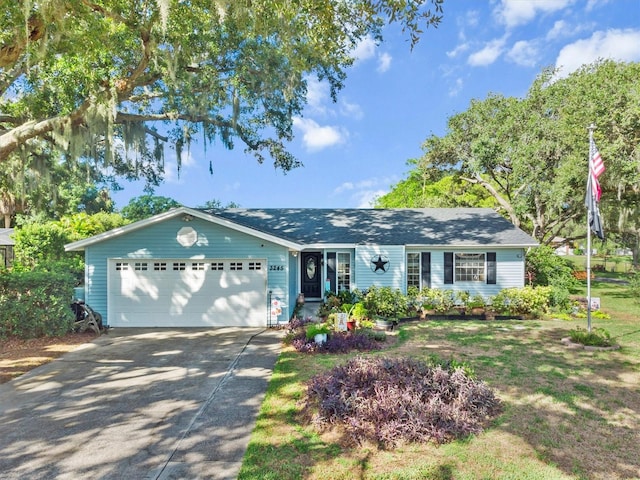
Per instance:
{"type": "Point", "coordinates": [357, 148]}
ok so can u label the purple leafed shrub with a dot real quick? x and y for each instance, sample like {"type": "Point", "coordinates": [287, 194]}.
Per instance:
{"type": "Point", "coordinates": [337, 342]}
{"type": "Point", "coordinates": [395, 401]}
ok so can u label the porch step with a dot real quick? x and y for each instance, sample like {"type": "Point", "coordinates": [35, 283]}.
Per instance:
{"type": "Point", "coordinates": [310, 310]}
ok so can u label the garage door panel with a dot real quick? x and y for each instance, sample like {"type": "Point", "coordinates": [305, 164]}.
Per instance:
{"type": "Point", "coordinates": [203, 293]}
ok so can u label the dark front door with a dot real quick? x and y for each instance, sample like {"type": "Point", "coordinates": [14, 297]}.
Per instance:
{"type": "Point", "coordinates": [311, 275]}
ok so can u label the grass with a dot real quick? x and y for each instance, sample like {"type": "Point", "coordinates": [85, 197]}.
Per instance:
{"type": "Point", "coordinates": [569, 414]}
{"type": "Point", "coordinates": [612, 264]}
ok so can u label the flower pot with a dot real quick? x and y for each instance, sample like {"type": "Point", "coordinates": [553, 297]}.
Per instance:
{"type": "Point", "coordinates": [385, 323]}
{"type": "Point", "coordinates": [320, 338]}
{"type": "Point", "coordinates": [351, 325]}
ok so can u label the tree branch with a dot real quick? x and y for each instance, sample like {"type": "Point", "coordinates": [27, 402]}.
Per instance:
{"type": "Point", "coordinates": [12, 139]}
{"type": "Point", "coordinates": [477, 179]}
{"type": "Point", "coordinates": [9, 54]}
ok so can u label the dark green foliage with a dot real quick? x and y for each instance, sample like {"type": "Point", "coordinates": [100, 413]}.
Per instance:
{"type": "Point", "coordinates": [544, 267]}
{"type": "Point", "coordinates": [35, 304]}
{"type": "Point", "coordinates": [38, 243]}
{"type": "Point", "coordinates": [392, 401]}
{"type": "Point", "coordinates": [147, 206]}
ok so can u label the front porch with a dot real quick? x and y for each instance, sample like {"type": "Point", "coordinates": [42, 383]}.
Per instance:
{"type": "Point", "coordinates": [310, 310]}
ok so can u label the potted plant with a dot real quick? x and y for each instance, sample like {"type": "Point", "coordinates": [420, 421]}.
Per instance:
{"type": "Point", "coordinates": [331, 304]}
{"type": "Point", "coordinates": [477, 304]}
{"type": "Point", "coordinates": [318, 332]}
{"type": "Point", "coordinates": [357, 314]}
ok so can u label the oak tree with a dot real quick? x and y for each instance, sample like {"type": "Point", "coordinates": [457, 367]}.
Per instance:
{"type": "Point", "coordinates": [118, 80]}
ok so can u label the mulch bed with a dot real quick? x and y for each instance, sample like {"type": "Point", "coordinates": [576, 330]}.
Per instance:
{"type": "Point", "coordinates": [18, 356]}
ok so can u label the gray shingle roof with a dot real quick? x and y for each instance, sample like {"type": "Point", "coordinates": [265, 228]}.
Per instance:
{"type": "Point", "coordinates": [427, 226]}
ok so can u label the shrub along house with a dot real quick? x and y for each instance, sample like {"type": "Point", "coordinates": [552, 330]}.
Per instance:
{"type": "Point", "coordinates": [247, 267]}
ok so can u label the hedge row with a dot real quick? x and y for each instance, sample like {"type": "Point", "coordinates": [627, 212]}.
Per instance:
{"type": "Point", "coordinates": [35, 304]}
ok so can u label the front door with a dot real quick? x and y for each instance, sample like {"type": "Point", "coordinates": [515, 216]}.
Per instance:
{"type": "Point", "coordinates": [311, 275]}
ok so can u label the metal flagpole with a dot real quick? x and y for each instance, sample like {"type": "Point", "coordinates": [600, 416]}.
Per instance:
{"type": "Point", "coordinates": [591, 128]}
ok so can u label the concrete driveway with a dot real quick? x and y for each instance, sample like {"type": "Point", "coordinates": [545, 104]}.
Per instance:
{"type": "Point", "coordinates": [139, 404]}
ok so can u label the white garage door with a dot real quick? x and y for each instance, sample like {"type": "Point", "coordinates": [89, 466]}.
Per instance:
{"type": "Point", "coordinates": [187, 293]}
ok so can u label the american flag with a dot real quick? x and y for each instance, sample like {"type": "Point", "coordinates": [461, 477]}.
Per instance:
{"type": "Point", "coordinates": [594, 192]}
{"type": "Point", "coordinates": [596, 168]}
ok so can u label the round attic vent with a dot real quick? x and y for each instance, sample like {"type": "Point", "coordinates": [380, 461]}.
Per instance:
{"type": "Point", "coordinates": [187, 236]}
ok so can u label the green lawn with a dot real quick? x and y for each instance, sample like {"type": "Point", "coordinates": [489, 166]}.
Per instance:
{"type": "Point", "coordinates": [612, 264]}
{"type": "Point", "coordinates": [569, 414]}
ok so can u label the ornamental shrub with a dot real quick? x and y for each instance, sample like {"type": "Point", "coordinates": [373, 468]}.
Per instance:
{"type": "Point", "coordinates": [35, 304]}
{"type": "Point", "coordinates": [392, 401]}
{"type": "Point", "coordinates": [298, 336]}
{"type": "Point", "coordinates": [523, 301]}
{"type": "Point", "coordinates": [385, 302]}
{"type": "Point", "coordinates": [597, 337]}
{"type": "Point", "coordinates": [545, 268]}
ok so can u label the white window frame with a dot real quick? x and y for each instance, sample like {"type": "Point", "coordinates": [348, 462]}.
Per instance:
{"type": "Point", "coordinates": [414, 275]}
{"type": "Point", "coordinates": [343, 271]}
{"type": "Point", "coordinates": [470, 270]}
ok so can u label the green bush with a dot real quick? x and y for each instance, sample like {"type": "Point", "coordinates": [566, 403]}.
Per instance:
{"type": "Point", "coordinates": [523, 301]}
{"type": "Point", "coordinates": [35, 304]}
{"type": "Point", "coordinates": [545, 268]}
{"type": "Point", "coordinates": [597, 337]}
{"type": "Point", "coordinates": [385, 302]}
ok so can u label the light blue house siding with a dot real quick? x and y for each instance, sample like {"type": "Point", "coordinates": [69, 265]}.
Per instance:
{"type": "Point", "coordinates": [509, 270]}
{"type": "Point", "coordinates": [365, 275]}
{"type": "Point", "coordinates": [159, 240]}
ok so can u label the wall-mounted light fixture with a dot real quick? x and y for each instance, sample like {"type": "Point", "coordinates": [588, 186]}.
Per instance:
{"type": "Point", "coordinates": [294, 253]}
{"type": "Point", "coordinates": [187, 218]}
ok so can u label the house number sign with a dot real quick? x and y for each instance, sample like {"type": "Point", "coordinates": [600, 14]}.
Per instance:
{"type": "Point", "coordinates": [276, 268]}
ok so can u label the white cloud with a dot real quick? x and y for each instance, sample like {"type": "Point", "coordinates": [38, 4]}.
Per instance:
{"type": "Point", "coordinates": [365, 50]}
{"type": "Point", "coordinates": [619, 45]}
{"type": "Point", "coordinates": [593, 4]}
{"type": "Point", "coordinates": [317, 137]}
{"type": "Point", "coordinates": [317, 95]}
{"type": "Point", "coordinates": [171, 174]}
{"type": "Point", "coordinates": [518, 12]}
{"type": "Point", "coordinates": [365, 192]}
{"type": "Point", "coordinates": [456, 88]}
{"type": "Point", "coordinates": [559, 29]}
{"type": "Point", "coordinates": [488, 54]}
{"type": "Point", "coordinates": [344, 187]}
{"type": "Point", "coordinates": [351, 110]}
{"type": "Point", "coordinates": [524, 53]}
{"type": "Point", "coordinates": [384, 62]}
{"type": "Point", "coordinates": [367, 198]}
{"type": "Point", "coordinates": [472, 18]}
{"type": "Point", "coordinates": [461, 48]}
